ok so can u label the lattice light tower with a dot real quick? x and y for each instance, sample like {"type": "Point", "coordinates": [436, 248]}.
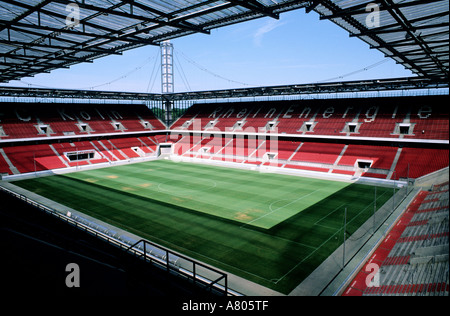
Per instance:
{"type": "Point", "coordinates": [167, 85]}
{"type": "Point", "coordinates": [167, 79]}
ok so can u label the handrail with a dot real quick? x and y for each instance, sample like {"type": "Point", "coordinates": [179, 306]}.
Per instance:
{"type": "Point", "coordinates": [169, 266]}
{"type": "Point", "coordinates": [173, 265]}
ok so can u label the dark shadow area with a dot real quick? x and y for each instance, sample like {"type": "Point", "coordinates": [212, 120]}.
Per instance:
{"type": "Point", "coordinates": [37, 247]}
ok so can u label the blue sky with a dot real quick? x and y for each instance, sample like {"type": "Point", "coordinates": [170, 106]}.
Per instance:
{"type": "Point", "coordinates": [298, 48]}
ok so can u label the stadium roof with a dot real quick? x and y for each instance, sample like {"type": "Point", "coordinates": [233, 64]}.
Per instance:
{"type": "Point", "coordinates": [38, 36]}
{"type": "Point", "coordinates": [415, 33]}
{"type": "Point", "coordinates": [403, 84]}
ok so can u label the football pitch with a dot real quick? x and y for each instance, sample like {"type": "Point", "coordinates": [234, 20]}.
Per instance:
{"type": "Point", "coordinates": [269, 228]}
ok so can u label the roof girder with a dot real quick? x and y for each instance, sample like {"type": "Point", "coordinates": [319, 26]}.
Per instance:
{"type": "Point", "coordinates": [421, 30]}
{"type": "Point", "coordinates": [148, 22]}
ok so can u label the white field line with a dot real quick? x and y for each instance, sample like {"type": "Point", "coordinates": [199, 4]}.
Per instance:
{"type": "Point", "coordinates": [270, 207]}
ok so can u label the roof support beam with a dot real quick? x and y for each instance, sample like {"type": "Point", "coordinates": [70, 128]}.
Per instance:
{"type": "Point", "coordinates": [313, 4]}
{"type": "Point", "coordinates": [314, 88]}
{"type": "Point", "coordinates": [361, 9]}
{"type": "Point", "coordinates": [396, 28]}
{"type": "Point", "coordinates": [255, 6]}
{"type": "Point", "coordinates": [37, 30]}
{"type": "Point", "coordinates": [112, 34]}
{"type": "Point", "coordinates": [28, 12]}
{"type": "Point", "coordinates": [430, 38]}
{"type": "Point", "coordinates": [23, 27]}
{"type": "Point", "coordinates": [403, 21]}
{"type": "Point", "coordinates": [165, 19]}
{"type": "Point", "coordinates": [75, 48]}
{"type": "Point", "coordinates": [426, 15]}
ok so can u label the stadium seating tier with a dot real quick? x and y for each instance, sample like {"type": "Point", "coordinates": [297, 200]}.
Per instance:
{"type": "Point", "coordinates": [401, 117]}
{"type": "Point", "coordinates": [412, 259]}
{"type": "Point", "coordinates": [107, 133]}
{"type": "Point", "coordinates": [43, 120]}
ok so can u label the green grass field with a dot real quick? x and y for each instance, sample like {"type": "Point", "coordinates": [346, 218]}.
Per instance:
{"type": "Point", "coordinates": [271, 229]}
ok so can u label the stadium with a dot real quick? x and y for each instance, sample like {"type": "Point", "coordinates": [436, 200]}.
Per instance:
{"type": "Point", "coordinates": [335, 188]}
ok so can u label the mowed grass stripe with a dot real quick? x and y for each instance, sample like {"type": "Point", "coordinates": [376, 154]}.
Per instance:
{"type": "Point", "coordinates": [219, 242]}
{"type": "Point", "coordinates": [278, 257]}
{"type": "Point", "coordinates": [195, 197]}
{"type": "Point", "coordinates": [243, 197]}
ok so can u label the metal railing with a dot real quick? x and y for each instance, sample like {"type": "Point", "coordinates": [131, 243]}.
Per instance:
{"type": "Point", "coordinates": [210, 279]}
{"type": "Point", "coordinates": [200, 274]}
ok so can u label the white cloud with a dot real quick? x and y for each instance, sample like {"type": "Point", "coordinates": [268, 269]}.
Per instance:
{"type": "Point", "coordinates": [266, 28]}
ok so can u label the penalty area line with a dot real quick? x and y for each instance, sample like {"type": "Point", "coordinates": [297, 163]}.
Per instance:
{"type": "Point", "coordinates": [281, 207]}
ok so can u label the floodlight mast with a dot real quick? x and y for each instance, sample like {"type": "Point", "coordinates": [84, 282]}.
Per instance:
{"type": "Point", "coordinates": [167, 78]}
{"type": "Point", "coordinates": [167, 85]}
